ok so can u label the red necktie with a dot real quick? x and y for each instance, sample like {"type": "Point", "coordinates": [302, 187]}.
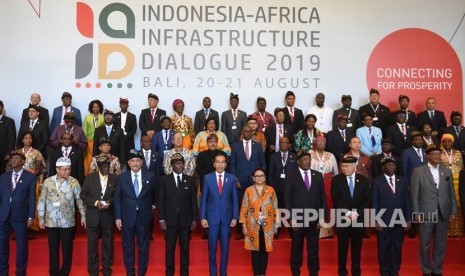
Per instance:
{"type": "Point", "coordinates": [391, 185]}
{"type": "Point", "coordinates": [291, 113]}
{"type": "Point", "coordinates": [220, 184]}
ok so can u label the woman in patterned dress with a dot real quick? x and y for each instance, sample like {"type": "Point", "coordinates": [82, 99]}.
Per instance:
{"type": "Point", "coordinates": [452, 159]}
{"type": "Point", "coordinates": [259, 221]}
{"type": "Point", "coordinates": [305, 137]}
{"type": "Point", "coordinates": [92, 121]}
{"type": "Point", "coordinates": [105, 148]}
{"type": "Point", "coordinates": [183, 124]}
{"type": "Point", "coordinates": [325, 163]}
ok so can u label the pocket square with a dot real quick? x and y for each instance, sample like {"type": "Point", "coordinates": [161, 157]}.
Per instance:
{"type": "Point", "coordinates": [186, 188]}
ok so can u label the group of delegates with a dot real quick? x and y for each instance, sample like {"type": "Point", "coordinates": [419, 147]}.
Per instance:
{"type": "Point", "coordinates": [239, 169]}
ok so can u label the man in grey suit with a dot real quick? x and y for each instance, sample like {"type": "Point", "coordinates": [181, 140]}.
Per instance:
{"type": "Point", "coordinates": [233, 120]}
{"type": "Point", "coordinates": [433, 206]}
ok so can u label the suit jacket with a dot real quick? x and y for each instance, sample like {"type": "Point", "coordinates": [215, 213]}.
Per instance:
{"type": "Point", "coordinates": [130, 127]}
{"type": "Point", "coordinates": [145, 120]}
{"type": "Point", "coordinates": [243, 168]}
{"type": "Point", "coordinates": [8, 134]}
{"type": "Point", "coordinates": [77, 163]}
{"type": "Point", "coordinates": [397, 137]}
{"type": "Point", "coordinates": [57, 116]}
{"type": "Point", "coordinates": [462, 190]}
{"type": "Point", "coordinates": [437, 124]}
{"type": "Point", "coordinates": [459, 141]}
{"type": "Point", "coordinates": [17, 205]}
{"type": "Point", "coordinates": [298, 123]}
{"type": "Point", "coordinates": [41, 134]}
{"type": "Point", "coordinates": [177, 205]}
{"type": "Point", "coordinates": [127, 206]}
{"type": "Point", "coordinates": [367, 147]}
{"type": "Point", "coordinates": [215, 208]}
{"type": "Point", "coordinates": [383, 114]}
{"type": "Point", "coordinates": [116, 141]}
{"type": "Point", "coordinates": [156, 164]}
{"type": "Point", "coordinates": [376, 165]}
{"type": "Point", "coordinates": [79, 138]}
{"type": "Point", "coordinates": [270, 135]}
{"type": "Point", "coordinates": [276, 169]}
{"type": "Point", "coordinates": [91, 192]}
{"type": "Point", "coordinates": [43, 114]}
{"type": "Point", "coordinates": [383, 198]}
{"type": "Point", "coordinates": [411, 118]}
{"type": "Point", "coordinates": [353, 119]}
{"type": "Point", "coordinates": [296, 195]}
{"type": "Point", "coordinates": [199, 120]}
{"type": "Point", "coordinates": [335, 143]}
{"type": "Point", "coordinates": [428, 199]}
{"type": "Point", "coordinates": [227, 125]}
{"type": "Point", "coordinates": [410, 160]}
{"type": "Point", "coordinates": [340, 193]}
{"type": "Point", "coordinates": [158, 141]}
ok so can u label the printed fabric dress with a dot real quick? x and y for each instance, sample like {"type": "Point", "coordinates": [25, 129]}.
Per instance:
{"type": "Point", "coordinates": [184, 125]}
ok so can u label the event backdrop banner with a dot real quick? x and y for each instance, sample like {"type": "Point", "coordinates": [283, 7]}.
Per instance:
{"type": "Point", "coordinates": [101, 49]}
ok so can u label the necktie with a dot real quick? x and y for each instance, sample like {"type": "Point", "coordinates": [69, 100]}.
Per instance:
{"type": "Point", "coordinates": [32, 125]}
{"type": "Point", "coordinates": [234, 115]}
{"type": "Point", "coordinates": [220, 184]}
{"type": "Point", "coordinates": [166, 137]}
{"type": "Point", "coordinates": [136, 185]}
{"type": "Point", "coordinates": [372, 137]}
{"type": "Point", "coordinates": [63, 119]}
{"type": "Point", "coordinates": [457, 130]}
{"type": "Point", "coordinates": [178, 184]}
{"type": "Point", "coordinates": [284, 158]}
{"type": "Point", "coordinates": [66, 153]}
{"type": "Point", "coordinates": [108, 131]}
{"type": "Point", "coordinates": [432, 115]}
{"type": "Point", "coordinates": [391, 185]}
{"type": "Point", "coordinates": [351, 187]}
{"type": "Point", "coordinates": [206, 113]}
{"type": "Point", "coordinates": [280, 131]}
{"type": "Point", "coordinates": [147, 159]}
{"type": "Point", "coordinates": [13, 185]}
{"type": "Point", "coordinates": [307, 181]}
{"type": "Point", "coordinates": [247, 152]}
{"type": "Point", "coordinates": [420, 154]}
{"type": "Point", "coordinates": [403, 132]}
{"type": "Point", "coordinates": [152, 113]}
{"type": "Point", "coordinates": [291, 113]}
{"type": "Point", "coordinates": [343, 133]}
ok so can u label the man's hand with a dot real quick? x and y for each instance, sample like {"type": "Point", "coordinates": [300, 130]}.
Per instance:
{"type": "Point", "coordinates": [244, 230]}
{"type": "Point", "coordinates": [29, 223]}
{"type": "Point", "coordinates": [163, 225]}
{"type": "Point", "coordinates": [233, 222]}
{"type": "Point", "coordinates": [452, 217]}
{"type": "Point", "coordinates": [272, 148]}
{"type": "Point", "coordinates": [193, 225]}
{"type": "Point", "coordinates": [378, 227]}
{"type": "Point", "coordinates": [118, 224]}
{"type": "Point", "coordinates": [294, 225]}
{"type": "Point", "coordinates": [83, 223]}
{"type": "Point", "coordinates": [409, 225]}
{"type": "Point", "coordinates": [352, 215]}
{"type": "Point", "coordinates": [238, 185]}
{"type": "Point", "coordinates": [41, 225]}
{"type": "Point", "coordinates": [416, 218]}
{"type": "Point", "coordinates": [204, 223]}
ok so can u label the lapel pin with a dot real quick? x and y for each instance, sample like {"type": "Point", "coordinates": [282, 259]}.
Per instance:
{"type": "Point", "coordinates": [20, 181]}
{"type": "Point", "coordinates": [357, 180]}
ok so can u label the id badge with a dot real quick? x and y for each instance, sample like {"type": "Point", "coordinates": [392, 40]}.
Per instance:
{"type": "Point", "coordinates": [56, 204]}
{"type": "Point", "coordinates": [234, 127]}
{"type": "Point", "coordinates": [349, 125]}
{"type": "Point", "coordinates": [283, 175]}
{"type": "Point", "coordinates": [375, 119]}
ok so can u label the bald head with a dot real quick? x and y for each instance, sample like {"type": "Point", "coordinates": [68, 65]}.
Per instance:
{"type": "Point", "coordinates": [35, 98]}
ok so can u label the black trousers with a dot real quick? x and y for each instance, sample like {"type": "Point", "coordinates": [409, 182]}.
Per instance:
{"type": "Point", "coordinates": [60, 237]}
{"type": "Point", "coordinates": [312, 235]}
{"type": "Point", "coordinates": [260, 257]}
{"type": "Point", "coordinates": [354, 235]}
{"type": "Point", "coordinates": [128, 237]}
{"type": "Point", "coordinates": [390, 241]}
{"type": "Point", "coordinates": [93, 236]}
{"type": "Point", "coordinates": [171, 236]}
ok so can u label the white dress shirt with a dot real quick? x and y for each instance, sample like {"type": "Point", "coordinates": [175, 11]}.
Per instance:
{"type": "Point", "coordinates": [324, 117]}
{"type": "Point", "coordinates": [124, 116]}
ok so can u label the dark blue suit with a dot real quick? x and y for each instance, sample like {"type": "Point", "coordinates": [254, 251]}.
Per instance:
{"type": "Point", "coordinates": [219, 211]}
{"type": "Point", "coordinates": [158, 142]}
{"type": "Point", "coordinates": [57, 116]}
{"type": "Point", "coordinates": [136, 217]}
{"type": "Point", "coordinates": [15, 209]}
{"type": "Point", "coordinates": [275, 170]}
{"type": "Point", "coordinates": [243, 168]}
{"type": "Point", "coordinates": [390, 239]}
{"type": "Point", "coordinates": [410, 160]}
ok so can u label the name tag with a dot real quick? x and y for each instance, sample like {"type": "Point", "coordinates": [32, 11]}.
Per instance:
{"type": "Point", "coordinates": [234, 127]}
{"type": "Point", "coordinates": [375, 119]}
{"type": "Point", "coordinates": [56, 204]}
{"type": "Point", "coordinates": [283, 175]}
{"type": "Point", "coordinates": [349, 125]}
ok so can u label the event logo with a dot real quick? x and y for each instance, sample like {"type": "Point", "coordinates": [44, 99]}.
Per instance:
{"type": "Point", "coordinates": [114, 60]}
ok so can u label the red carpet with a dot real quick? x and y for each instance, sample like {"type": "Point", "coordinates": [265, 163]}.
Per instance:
{"type": "Point", "coordinates": [239, 262]}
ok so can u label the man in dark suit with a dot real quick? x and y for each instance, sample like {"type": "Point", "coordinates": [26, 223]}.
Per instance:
{"type": "Point", "coordinates": [351, 195]}
{"type": "Point", "coordinates": [203, 114]}
{"type": "Point", "coordinates": [149, 119]}
{"type": "Point", "coordinates": [134, 202]}
{"type": "Point", "coordinates": [276, 131]}
{"type": "Point", "coordinates": [233, 120]}
{"type": "Point", "coordinates": [304, 190]}
{"type": "Point", "coordinates": [97, 194]}
{"type": "Point", "coordinates": [177, 213]}
{"type": "Point", "coordinates": [162, 141]}
{"type": "Point", "coordinates": [386, 148]}
{"type": "Point", "coordinates": [8, 134]}
{"type": "Point", "coordinates": [114, 133]}
{"type": "Point", "coordinates": [246, 157]}
{"type": "Point", "coordinates": [204, 161]}
{"type": "Point", "coordinates": [17, 205]}
{"type": "Point", "coordinates": [433, 117]}
{"type": "Point", "coordinates": [352, 115]}
{"type": "Point", "coordinates": [413, 156]}
{"type": "Point", "coordinates": [71, 152]}
{"type": "Point", "coordinates": [38, 128]}
{"type": "Point", "coordinates": [43, 113]}
{"type": "Point", "coordinates": [456, 129]}
{"type": "Point", "coordinates": [219, 211]}
{"type": "Point", "coordinates": [292, 115]}
{"type": "Point", "coordinates": [400, 133]}
{"type": "Point", "coordinates": [390, 195]}
{"type": "Point", "coordinates": [337, 140]}
{"type": "Point", "coordinates": [128, 122]}
{"type": "Point", "coordinates": [60, 111]}
{"type": "Point", "coordinates": [410, 117]}
{"type": "Point", "coordinates": [380, 113]}
{"type": "Point", "coordinates": [433, 207]}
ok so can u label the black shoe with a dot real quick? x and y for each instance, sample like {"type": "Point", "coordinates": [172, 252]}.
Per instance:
{"type": "Point", "coordinates": [426, 274]}
{"type": "Point", "coordinates": [434, 274]}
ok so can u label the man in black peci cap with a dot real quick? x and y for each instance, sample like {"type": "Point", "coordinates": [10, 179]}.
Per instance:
{"type": "Point", "coordinates": [38, 128]}
{"type": "Point", "coordinates": [114, 133]}
{"type": "Point", "coordinates": [352, 114]}
{"type": "Point", "coordinates": [149, 119]}
{"type": "Point", "coordinates": [8, 134]}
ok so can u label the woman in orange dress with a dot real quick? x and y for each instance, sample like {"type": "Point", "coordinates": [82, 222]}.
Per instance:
{"type": "Point", "coordinates": [183, 124]}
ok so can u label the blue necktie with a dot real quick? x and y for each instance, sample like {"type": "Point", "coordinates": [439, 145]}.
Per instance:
{"type": "Point", "coordinates": [136, 185]}
{"type": "Point", "coordinates": [206, 113]}
{"type": "Point", "coordinates": [307, 181]}
{"type": "Point", "coordinates": [351, 187]}
{"type": "Point", "coordinates": [108, 131]}
{"type": "Point", "coordinates": [372, 137]}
